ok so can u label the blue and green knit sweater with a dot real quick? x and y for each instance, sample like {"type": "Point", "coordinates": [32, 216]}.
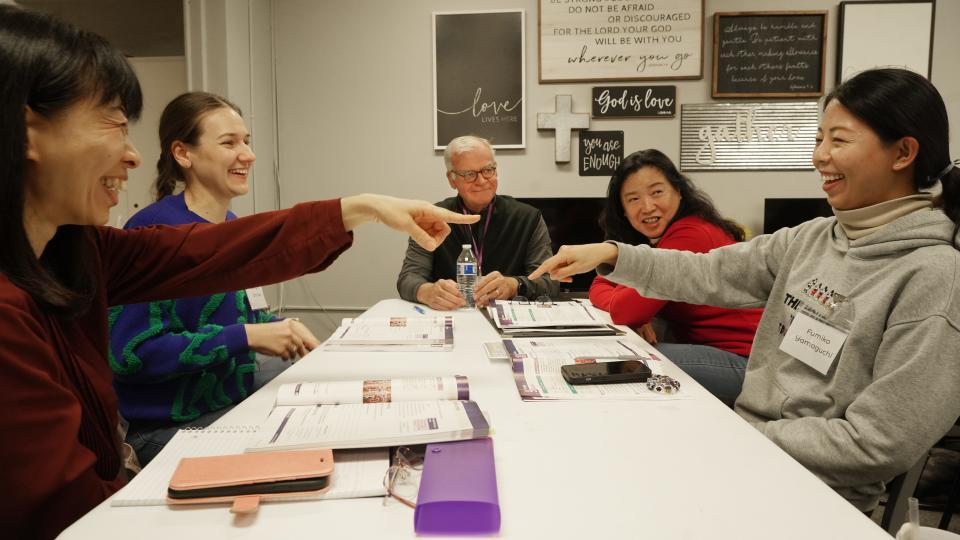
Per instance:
{"type": "Point", "coordinates": [178, 359]}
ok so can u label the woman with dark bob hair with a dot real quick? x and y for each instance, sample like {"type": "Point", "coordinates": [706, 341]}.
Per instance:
{"type": "Point", "coordinates": [854, 368]}
{"type": "Point", "coordinates": [65, 101]}
{"type": "Point", "coordinates": [649, 202]}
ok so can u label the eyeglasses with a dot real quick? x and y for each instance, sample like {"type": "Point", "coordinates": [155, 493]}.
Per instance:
{"type": "Point", "coordinates": [471, 176]}
{"type": "Point", "coordinates": [403, 477]}
{"type": "Point", "coordinates": [541, 301]}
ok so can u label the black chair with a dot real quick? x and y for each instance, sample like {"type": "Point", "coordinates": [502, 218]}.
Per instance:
{"type": "Point", "coordinates": [899, 490]}
{"type": "Point", "coordinates": [950, 441]}
{"type": "Point", "coordinates": [951, 505]}
{"type": "Point", "coordinates": [903, 487]}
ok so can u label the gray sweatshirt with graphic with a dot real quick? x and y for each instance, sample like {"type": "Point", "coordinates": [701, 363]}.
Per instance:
{"type": "Point", "coordinates": [894, 389]}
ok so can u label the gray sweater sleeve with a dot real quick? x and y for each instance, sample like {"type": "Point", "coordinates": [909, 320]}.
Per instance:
{"type": "Point", "coordinates": [740, 275]}
{"type": "Point", "coordinates": [416, 270]}
{"type": "Point", "coordinates": [538, 251]}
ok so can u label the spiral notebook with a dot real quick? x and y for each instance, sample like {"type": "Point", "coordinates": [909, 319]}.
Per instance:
{"type": "Point", "coordinates": [356, 473]}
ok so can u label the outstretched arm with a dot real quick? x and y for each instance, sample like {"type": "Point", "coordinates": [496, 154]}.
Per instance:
{"type": "Point", "coordinates": [426, 224]}
{"type": "Point", "coordinates": [572, 260]}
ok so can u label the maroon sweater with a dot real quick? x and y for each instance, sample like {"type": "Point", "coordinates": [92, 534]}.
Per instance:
{"type": "Point", "coordinates": [59, 446]}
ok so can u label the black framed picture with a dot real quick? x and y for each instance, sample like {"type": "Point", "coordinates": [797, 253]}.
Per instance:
{"type": "Point", "coordinates": [769, 53]}
{"type": "Point", "coordinates": [479, 85]}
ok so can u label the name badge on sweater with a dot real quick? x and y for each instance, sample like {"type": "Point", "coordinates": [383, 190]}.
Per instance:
{"type": "Point", "coordinates": [256, 298]}
{"type": "Point", "coordinates": [812, 342]}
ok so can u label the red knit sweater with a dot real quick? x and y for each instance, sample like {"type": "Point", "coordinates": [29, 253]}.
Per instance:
{"type": "Point", "coordinates": [728, 329]}
{"type": "Point", "coordinates": [60, 447]}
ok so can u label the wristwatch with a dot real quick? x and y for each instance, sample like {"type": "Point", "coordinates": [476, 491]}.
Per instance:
{"type": "Point", "coordinates": [521, 287]}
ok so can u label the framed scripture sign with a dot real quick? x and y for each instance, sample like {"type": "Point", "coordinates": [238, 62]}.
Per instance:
{"type": "Point", "coordinates": [614, 40]}
{"type": "Point", "coordinates": [478, 77]}
{"type": "Point", "coordinates": [769, 53]}
{"type": "Point", "coordinates": [888, 33]}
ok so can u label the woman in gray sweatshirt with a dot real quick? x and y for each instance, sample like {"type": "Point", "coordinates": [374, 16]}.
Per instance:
{"type": "Point", "coordinates": [854, 371]}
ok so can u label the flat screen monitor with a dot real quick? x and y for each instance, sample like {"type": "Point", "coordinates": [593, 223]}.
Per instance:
{"type": "Point", "coordinates": [790, 212]}
{"type": "Point", "coordinates": [571, 220]}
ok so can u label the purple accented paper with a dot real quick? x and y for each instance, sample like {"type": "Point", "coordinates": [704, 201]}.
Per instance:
{"type": "Point", "coordinates": [463, 388]}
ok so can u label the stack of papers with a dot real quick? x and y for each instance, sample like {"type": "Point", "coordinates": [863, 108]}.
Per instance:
{"type": "Point", "coordinates": [393, 334]}
{"type": "Point", "coordinates": [536, 369]}
{"type": "Point", "coordinates": [526, 319]}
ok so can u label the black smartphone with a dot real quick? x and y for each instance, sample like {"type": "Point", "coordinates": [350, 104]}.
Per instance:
{"type": "Point", "coordinates": [276, 486]}
{"type": "Point", "coordinates": [605, 370]}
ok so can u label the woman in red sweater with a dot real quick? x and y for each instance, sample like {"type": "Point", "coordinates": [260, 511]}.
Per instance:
{"type": "Point", "coordinates": [650, 202]}
{"type": "Point", "coordinates": [65, 102]}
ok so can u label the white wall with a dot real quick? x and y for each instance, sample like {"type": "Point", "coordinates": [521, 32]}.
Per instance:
{"type": "Point", "coordinates": [354, 96]}
{"type": "Point", "coordinates": [229, 52]}
{"type": "Point", "coordinates": [162, 79]}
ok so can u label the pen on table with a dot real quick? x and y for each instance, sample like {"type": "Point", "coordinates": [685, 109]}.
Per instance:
{"type": "Point", "coordinates": [419, 310]}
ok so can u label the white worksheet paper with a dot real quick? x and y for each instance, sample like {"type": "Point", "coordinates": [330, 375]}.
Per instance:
{"type": "Point", "coordinates": [537, 362]}
{"type": "Point", "coordinates": [393, 333]}
{"type": "Point", "coordinates": [532, 315]}
{"type": "Point", "coordinates": [367, 425]}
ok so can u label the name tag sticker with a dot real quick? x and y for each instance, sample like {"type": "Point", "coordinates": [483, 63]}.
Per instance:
{"type": "Point", "coordinates": [256, 298]}
{"type": "Point", "coordinates": [812, 342]}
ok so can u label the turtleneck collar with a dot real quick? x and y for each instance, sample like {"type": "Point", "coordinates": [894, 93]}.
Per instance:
{"type": "Point", "coordinates": [860, 222]}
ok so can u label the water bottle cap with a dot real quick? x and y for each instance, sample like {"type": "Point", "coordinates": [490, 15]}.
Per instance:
{"type": "Point", "coordinates": [466, 246]}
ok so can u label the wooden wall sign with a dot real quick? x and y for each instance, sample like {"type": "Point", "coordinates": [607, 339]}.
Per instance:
{"type": "Point", "coordinates": [634, 101]}
{"type": "Point", "coordinates": [601, 152]}
{"type": "Point", "coordinates": [614, 40]}
{"type": "Point", "coordinates": [747, 136]}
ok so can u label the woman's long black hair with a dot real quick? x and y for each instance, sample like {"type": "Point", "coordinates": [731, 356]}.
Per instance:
{"type": "Point", "coordinates": [48, 65]}
{"type": "Point", "coordinates": [693, 202]}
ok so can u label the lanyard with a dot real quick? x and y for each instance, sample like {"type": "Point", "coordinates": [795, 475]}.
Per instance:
{"type": "Point", "coordinates": [478, 250]}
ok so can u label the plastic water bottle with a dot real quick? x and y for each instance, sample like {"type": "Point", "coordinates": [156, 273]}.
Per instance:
{"type": "Point", "coordinates": [467, 273]}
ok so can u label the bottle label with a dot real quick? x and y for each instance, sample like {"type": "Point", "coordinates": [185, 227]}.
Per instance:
{"type": "Point", "coordinates": [467, 268]}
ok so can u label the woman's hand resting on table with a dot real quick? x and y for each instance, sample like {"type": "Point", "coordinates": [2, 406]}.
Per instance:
{"type": "Point", "coordinates": [289, 339]}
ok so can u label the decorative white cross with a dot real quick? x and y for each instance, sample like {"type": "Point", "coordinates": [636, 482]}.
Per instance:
{"type": "Point", "coordinates": [563, 121]}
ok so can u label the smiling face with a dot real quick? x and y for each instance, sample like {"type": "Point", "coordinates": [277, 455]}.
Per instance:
{"type": "Point", "coordinates": [77, 161]}
{"type": "Point", "coordinates": [649, 201]}
{"type": "Point", "coordinates": [857, 168]}
{"type": "Point", "coordinates": [219, 163]}
{"type": "Point", "coordinates": [476, 195]}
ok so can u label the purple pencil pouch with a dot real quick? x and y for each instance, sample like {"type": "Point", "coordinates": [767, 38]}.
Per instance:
{"type": "Point", "coordinates": [458, 490]}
